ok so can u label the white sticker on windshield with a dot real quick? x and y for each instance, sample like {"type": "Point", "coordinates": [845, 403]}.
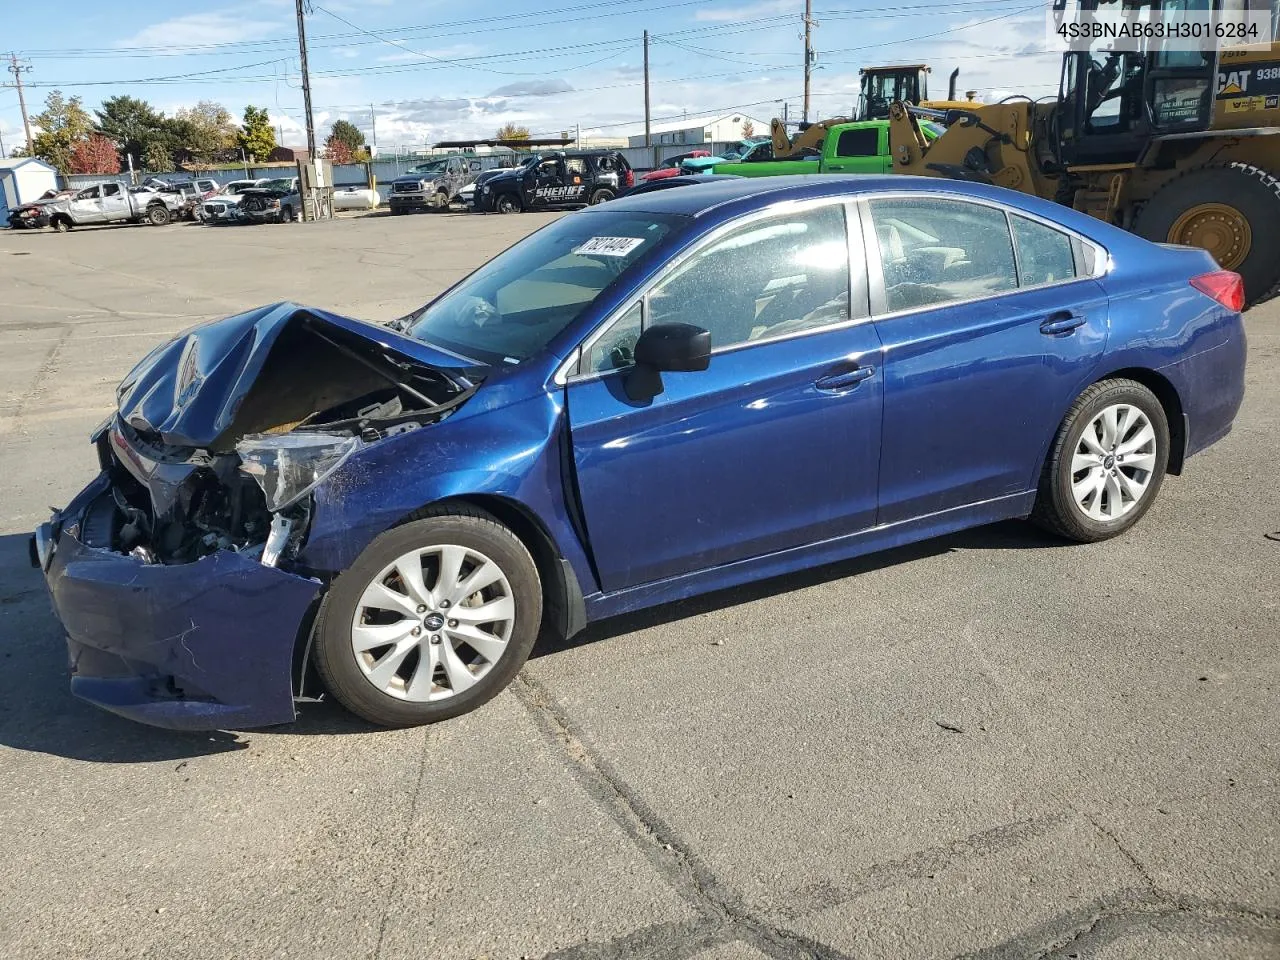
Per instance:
{"type": "Point", "coordinates": [609, 246]}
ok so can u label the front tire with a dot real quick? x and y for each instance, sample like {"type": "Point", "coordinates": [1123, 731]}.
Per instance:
{"type": "Point", "coordinates": [61, 225]}
{"type": "Point", "coordinates": [434, 619]}
{"type": "Point", "coordinates": [1106, 463]}
{"type": "Point", "coordinates": [508, 203]}
{"type": "Point", "coordinates": [158, 215]}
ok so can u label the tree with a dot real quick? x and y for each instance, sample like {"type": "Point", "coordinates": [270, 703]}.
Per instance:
{"type": "Point", "coordinates": [257, 137]}
{"type": "Point", "coordinates": [205, 131]}
{"type": "Point", "coordinates": [133, 125]}
{"type": "Point", "coordinates": [63, 124]}
{"type": "Point", "coordinates": [510, 131]}
{"type": "Point", "coordinates": [346, 132]}
{"type": "Point", "coordinates": [339, 151]}
{"type": "Point", "coordinates": [748, 129]}
{"type": "Point", "coordinates": [97, 154]}
{"type": "Point", "coordinates": [156, 159]}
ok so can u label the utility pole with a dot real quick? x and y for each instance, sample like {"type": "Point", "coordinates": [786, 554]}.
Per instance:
{"type": "Point", "coordinates": [306, 81]}
{"type": "Point", "coordinates": [648, 141]}
{"type": "Point", "coordinates": [18, 69]}
{"type": "Point", "coordinates": [373, 129]}
{"type": "Point", "coordinates": [808, 53]}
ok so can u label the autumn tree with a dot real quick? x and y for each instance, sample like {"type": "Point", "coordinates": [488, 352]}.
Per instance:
{"type": "Point", "coordinates": [96, 154]}
{"type": "Point", "coordinates": [748, 129]}
{"type": "Point", "coordinates": [134, 126]}
{"type": "Point", "coordinates": [63, 124]}
{"type": "Point", "coordinates": [338, 151]}
{"type": "Point", "coordinates": [206, 131]}
{"type": "Point", "coordinates": [257, 137]}
{"type": "Point", "coordinates": [346, 132]}
{"type": "Point", "coordinates": [511, 131]}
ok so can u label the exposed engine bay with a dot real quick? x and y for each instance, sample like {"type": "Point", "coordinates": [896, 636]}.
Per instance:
{"type": "Point", "coordinates": [318, 395]}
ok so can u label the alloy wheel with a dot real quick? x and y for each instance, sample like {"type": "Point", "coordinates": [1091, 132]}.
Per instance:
{"type": "Point", "coordinates": [1113, 462]}
{"type": "Point", "coordinates": [432, 623]}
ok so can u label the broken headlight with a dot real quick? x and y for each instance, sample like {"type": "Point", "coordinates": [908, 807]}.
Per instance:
{"type": "Point", "coordinates": [288, 466]}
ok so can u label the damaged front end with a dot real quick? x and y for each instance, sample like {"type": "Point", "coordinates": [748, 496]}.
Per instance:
{"type": "Point", "coordinates": [175, 572]}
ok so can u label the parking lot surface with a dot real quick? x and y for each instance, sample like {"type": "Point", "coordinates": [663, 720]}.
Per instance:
{"type": "Point", "coordinates": [991, 745]}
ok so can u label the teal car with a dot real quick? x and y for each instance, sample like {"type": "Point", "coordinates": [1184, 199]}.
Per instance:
{"type": "Point", "coordinates": [742, 150]}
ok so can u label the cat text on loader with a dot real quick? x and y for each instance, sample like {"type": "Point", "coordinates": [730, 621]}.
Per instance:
{"type": "Point", "coordinates": [1177, 146]}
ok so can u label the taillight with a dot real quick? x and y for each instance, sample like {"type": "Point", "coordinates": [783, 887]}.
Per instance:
{"type": "Point", "coordinates": [629, 178]}
{"type": "Point", "coordinates": [1225, 286]}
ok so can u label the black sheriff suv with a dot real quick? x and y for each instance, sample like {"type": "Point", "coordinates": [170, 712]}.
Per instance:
{"type": "Point", "coordinates": [557, 180]}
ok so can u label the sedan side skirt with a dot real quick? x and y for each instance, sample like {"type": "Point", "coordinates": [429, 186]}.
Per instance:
{"type": "Point", "coordinates": [793, 560]}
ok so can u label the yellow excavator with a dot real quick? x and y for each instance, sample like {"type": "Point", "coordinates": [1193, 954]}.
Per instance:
{"type": "Point", "coordinates": [880, 87]}
{"type": "Point", "coordinates": [1176, 146]}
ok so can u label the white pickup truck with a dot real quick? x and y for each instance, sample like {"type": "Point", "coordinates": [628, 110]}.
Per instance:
{"type": "Point", "coordinates": [114, 203]}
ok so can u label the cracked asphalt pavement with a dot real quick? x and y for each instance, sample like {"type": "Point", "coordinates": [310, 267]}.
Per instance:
{"type": "Point", "coordinates": [991, 745]}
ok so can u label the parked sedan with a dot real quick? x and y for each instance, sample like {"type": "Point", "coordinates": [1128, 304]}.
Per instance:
{"type": "Point", "coordinates": [670, 167]}
{"type": "Point", "coordinates": [788, 372]}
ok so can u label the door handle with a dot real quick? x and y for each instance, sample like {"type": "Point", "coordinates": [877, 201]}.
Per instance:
{"type": "Point", "coordinates": [843, 381]}
{"type": "Point", "coordinates": [1063, 322]}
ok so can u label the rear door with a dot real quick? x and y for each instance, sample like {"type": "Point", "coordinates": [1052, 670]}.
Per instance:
{"type": "Point", "coordinates": [860, 148]}
{"type": "Point", "coordinates": [991, 326]}
{"type": "Point", "coordinates": [775, 445]}
{"type": "Point", "coordinates": [115, 202]}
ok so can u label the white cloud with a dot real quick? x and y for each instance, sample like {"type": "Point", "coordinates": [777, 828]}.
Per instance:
{"type": "Point", "coordinates": [223, 26]}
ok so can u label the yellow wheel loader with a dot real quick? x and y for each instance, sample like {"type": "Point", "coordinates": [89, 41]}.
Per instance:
{"type": "Point", "coordinates": [880, 87]}
{"type": "Point", "coordinates": [1176, 146]}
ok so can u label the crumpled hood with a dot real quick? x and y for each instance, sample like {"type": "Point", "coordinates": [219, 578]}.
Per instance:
{"type": "Point", "coordinates": [190, 389]}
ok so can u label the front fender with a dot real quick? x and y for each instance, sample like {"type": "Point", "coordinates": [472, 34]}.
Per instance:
{"type": "Point", "coordinates": [514, 452]}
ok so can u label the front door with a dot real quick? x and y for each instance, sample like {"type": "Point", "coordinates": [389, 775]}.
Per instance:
{"type": "Point", "coordinates": [859, 150]}
{"type": "Point", "coordinates": [984, 348]}
{"type": "Point", "coordinates": [776, 445]}
{"type": "Point", "coordinates": [86, 206]}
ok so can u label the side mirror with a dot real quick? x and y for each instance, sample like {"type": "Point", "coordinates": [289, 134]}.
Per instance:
{"type": "Point", "coordinates": [679, 347]}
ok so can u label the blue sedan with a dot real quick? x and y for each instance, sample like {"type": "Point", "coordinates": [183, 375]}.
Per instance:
{"type": "Point", "coordinates": [647, 400]}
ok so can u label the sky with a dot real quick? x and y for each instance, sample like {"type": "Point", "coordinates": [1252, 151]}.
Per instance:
{"type": "Point", "coordinates": [411, 73]}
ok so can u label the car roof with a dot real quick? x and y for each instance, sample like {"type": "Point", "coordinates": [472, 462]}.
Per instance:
{"type": "Point", "coordinates": [726, 198]}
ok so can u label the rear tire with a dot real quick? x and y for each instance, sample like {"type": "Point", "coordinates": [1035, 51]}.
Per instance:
{"type": "Point", "coordinates": [601, 196]}
{"type": "Point", "coordinates": [371, 596]}
{"type": "Point", "coordinates": [1087, 487]}
{"type": "Point", "coordinates": [1249, 245]}
{"type": "Point", "coordinates": [158, 215]}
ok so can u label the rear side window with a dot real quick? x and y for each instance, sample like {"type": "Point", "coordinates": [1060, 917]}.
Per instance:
{"type": "Point", "coordinates": [864, 142]}
{"type": "Point", "coordinates": [936, 251]}
{"type": "Point", "coordinates": [1044, 254]}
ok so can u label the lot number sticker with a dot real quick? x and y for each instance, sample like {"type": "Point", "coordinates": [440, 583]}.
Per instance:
{"type": "Point", "coordinates": [609, 246]}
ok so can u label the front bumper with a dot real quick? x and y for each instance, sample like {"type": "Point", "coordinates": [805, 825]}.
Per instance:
{"type": "Point", "coordinates": [194, 646]}
{"type": "Point", "coordinates": [412, 201]}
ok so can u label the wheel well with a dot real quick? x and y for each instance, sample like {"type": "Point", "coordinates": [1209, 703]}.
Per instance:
{"type": "Point", "coordinates": [564, 612]}
{"type": "Point", "coordinates": [1172, 405]}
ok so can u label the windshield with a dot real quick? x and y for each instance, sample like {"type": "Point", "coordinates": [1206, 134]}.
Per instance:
{"type": "Point", "coordinates": [514, 305]}
{"type": "Point", "coordinates": [435, 166]}
{"type": "Point", "coordinates": [283, 183]}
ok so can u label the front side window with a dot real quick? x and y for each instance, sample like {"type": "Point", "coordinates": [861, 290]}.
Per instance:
{"type": "Point", "coordinates": [514, 305]}
{"type": "Point", "coordinates": [935, 251]}
{"type": "Point", "coordinates": [1044, 254]}
{"type": "Point", "coordinates": [768, 278]}
{"type": "Point", "coordinates": [615, 348]}
{"type": "Point", "coordinates": [862, 142]}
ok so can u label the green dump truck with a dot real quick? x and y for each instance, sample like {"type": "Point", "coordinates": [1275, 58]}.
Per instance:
{"type": "Point", "coordinates": [860, 146]}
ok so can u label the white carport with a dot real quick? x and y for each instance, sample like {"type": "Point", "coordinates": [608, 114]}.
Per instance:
{"type": "Point", "coordinates": [23, 179]}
